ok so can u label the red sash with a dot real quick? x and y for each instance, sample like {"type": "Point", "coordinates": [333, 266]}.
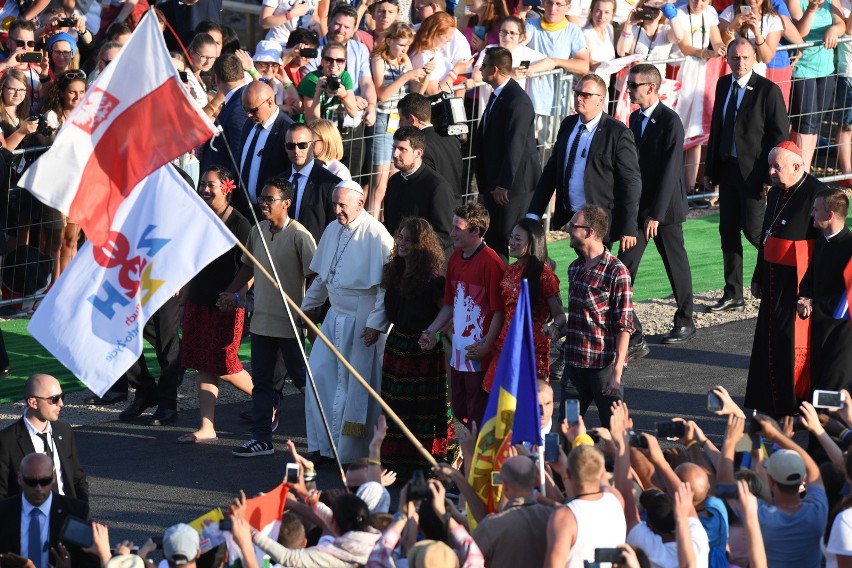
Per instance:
{"type": "Point", "coordinates": [798, 254]}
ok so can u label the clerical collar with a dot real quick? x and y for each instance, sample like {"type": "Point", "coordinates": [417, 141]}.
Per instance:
{"type": "Point", "coordinates": [831, 236]}
{"type": "Point", "coordinates": [406, 175]}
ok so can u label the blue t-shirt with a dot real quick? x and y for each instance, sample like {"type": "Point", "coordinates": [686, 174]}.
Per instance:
{"type": "Point", "coordinates": [782, 56]}
{"type": "Point", "coordinates": [562, 44]}
{"type": "Point", "coordinates": [793, 540]}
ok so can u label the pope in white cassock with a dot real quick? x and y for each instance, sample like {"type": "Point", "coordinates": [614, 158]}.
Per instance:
{"type": "Point", "coordinates": [349, 262]}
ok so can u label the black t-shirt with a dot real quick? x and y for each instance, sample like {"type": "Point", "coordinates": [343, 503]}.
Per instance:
{"type": "Point", "coordinates": [414, 314]}
{"type": "Point", "coordinates": [205, 288]}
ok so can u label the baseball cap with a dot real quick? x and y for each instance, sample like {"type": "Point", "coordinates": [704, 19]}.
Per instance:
{"type": "Point", "coordinates": [432, 554]}
{"type": "Point", "coordinates": [125, 561]}
{"type": "Point", "coordinates": [786, 467]}
{"type": "Point", "coordinates": [181, 544]}
{"type": "Point", "coordinates": [267, 51]}
{"type": "Point", "coordinates": [659, 510]}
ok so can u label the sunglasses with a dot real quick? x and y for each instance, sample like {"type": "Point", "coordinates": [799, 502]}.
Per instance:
{"type": "Point", "coordinates": [633, 86]}
{"type": "Point", "coordinates": [257, 108]}
{"type": "Point", "coordinates": [52, 399]}
{"type": "Point", "coordinates": [43, 481]}
{"type": "Point", "coordinates": [584, 95]}
{"type": "Point", "coordinates": [339, 61]}
{"type": "Point", "coordinates": [75, 75]}
{"type": "Point", "coordinates": [30, 43]}
{"type": "Point", "coordinates": [299, 145]}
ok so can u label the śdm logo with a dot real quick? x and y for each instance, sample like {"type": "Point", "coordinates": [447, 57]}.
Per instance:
{"type": "Point", "coordinates": [134, 272]}
{"type": "Point", "coordinates": [96, 108]}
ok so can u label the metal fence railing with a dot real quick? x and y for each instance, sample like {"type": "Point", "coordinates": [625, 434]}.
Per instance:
{"type": "Point", "coordinates": [38, 239]}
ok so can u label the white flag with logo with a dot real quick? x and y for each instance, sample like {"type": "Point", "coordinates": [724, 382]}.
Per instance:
{"type": "Point", "coordinates": [162, 235]}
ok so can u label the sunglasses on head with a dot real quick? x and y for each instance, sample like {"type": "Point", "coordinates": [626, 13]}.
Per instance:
{"type": "Point", "coordinates": [75, 75]}
{"type": "Point", "coordinates": [43, 481]}
{"type": "Point", "coordinates": [299, 145]}
{"type": "Point", "coordinates": [52, 399]}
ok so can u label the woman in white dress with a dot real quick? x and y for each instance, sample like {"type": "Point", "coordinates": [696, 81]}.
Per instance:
{"type": "Point", "coordinates": [758, 22]}
{"type": "Point", "coordinates": [648, 33]}
{"type": "Point", "coordinates": [599, 36]}
{"type": "Point", "coordinates": [696, 27]}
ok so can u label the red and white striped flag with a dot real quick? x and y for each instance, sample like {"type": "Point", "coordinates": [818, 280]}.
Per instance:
{"type": "Point", "coordinates": [135, 118]}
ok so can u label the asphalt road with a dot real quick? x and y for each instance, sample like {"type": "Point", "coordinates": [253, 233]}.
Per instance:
{"type": "Point", "coordinates": [142, 481]}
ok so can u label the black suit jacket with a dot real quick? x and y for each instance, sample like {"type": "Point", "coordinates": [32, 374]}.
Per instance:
{"type": "Point", "coordinates": [611, 181]}
{"type": "Point", "coordinates": [660, 150]}
{"type": "Point", "coordinates": [761, 124]}
{"type": "Point", "coordinates": [15, 443]}
{"type": "Point", "coordinates": [60, 508]}
{"type": "Point", "coordinates": [424, 194]}
{"type": "Point", "coordinates": [273, 158]}
{"type": "Point", "coordinates": [443, 154]}
{"type": "Point", "coordinates": [505, 147]}
{"type": "Point", "coordinates": [316, 210]}
{"type": "Point", "coordinates": [231, 118]}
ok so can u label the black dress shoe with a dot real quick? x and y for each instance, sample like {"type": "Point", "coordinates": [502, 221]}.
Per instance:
{"type": "Point", "coordinates": [108, 398]}
{"type": "Point", "coordinates": [727, 305]}
{"type": "Point", "coordinates": [637, 350]}
{"type": "Point", "coordinates": [679, 334]}
{"type": "Point", "coordinates": [163, 416]}
{"type": "Point", "coordinates": [136, 408]}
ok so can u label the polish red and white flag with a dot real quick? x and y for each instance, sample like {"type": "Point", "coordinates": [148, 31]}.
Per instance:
{"type": "Point", "coordinates": [135, 118]}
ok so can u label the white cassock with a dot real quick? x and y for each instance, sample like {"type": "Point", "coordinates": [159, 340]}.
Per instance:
{"type": "Point", "coordinates": [349, 262]}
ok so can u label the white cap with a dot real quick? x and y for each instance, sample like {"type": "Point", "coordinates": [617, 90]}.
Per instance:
{"type": "Point", "coordinates": [350, 184]}
{"type": "Point", "coordinates": [267, 50]}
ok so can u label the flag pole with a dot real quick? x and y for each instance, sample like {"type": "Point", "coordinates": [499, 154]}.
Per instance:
{"type": "Point", "coordinates": [342, 359]}
{"type": "Point", "coordinates": [277, 283]}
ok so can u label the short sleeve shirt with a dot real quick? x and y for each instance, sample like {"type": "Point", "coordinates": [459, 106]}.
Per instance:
{"type": "Point", "coordinates": [308, 86]}
{"type": "Point", "coordinates": [792, 540]}
{"type": "Point", "coordinates": [562, 44]}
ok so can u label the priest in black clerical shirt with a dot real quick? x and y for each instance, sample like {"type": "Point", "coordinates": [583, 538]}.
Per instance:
{"type": "Point", "coordinates": [417, 190]}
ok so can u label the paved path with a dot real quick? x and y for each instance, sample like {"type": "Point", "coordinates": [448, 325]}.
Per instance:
{"type": "Point", "coordinates": [141, 481]}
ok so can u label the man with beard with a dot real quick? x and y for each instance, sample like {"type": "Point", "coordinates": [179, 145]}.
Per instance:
{"type": "Point", "coordinates": [779, 371]}
{"type": "Point", "coordinates": [600, 317]}
{"type": "Point", "coordinates": [349, 263]}
{"type": "Point", "coordinates": [417, 190]}
{"type": "Point", "coordinates": [291, 248]}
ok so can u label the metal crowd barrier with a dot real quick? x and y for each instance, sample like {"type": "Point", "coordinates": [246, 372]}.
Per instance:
{"type": "Point", "coordinates": [31, 229]}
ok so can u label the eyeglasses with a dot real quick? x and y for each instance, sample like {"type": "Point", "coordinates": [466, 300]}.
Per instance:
{"type": "Point", "coordinates": [421, 8]}
{"type": "Point", "coordinates": [505, 33]}
{"type": "Point", "coordinates": [572, 226]}
{"type": "Point", "coordinates": [52, 399]}
{"type": "Point", "coordinates": [35, 482]}
{"type": "Point", "coordinates": [75, 75]}
{"type": "Point", "coordinates": [30, 43]}
{"type": "Point", "coordinates": [257, 108]}
{"type": "Point", "coordinates": [265, 64]}
{"type": "Point", "coordinates": [633, 86]}
{"type": "Point", "coordinates": [63, 53]}
{"type": "Point", "coordinates": [268, 200]}
{"type": "Point", "coordinates": [584, 95]}
{"type": "Point", "coordinates": [338, 60]}
{"type": "Point", "coordinates": [15, 91]}
{"type": "Point", "coordinates": [299, 145]}
{"type": "Point", "coordinates": [204, 57]}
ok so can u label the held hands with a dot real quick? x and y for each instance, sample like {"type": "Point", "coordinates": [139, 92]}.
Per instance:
{"type": "Point", "coordinates": [476, 351]}
{"type": "Point", "coordinates": [427, 341]}
{"type": "Point", "coordinates": [226, 302]}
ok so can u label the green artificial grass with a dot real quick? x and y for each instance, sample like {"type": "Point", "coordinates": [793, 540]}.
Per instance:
{"type": "Point", "coordinates": [705, 259]}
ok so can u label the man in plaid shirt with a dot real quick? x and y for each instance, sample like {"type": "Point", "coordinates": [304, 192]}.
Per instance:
{"type": "Point", "coordinates": [600, 317]}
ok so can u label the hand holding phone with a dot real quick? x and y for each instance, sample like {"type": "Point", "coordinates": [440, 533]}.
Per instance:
{"type": "Point", "coordinates": [551, 447]}
{"type": "Point", "coordinates": [828, 399]}
{"type": "Point", "coordinates": [572, 411]}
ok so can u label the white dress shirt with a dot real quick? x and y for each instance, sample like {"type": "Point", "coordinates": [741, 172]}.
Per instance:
{"type": "Point", "coordinates": [38, 444]}
{"type": "Point", "coordinates": [576, 183]}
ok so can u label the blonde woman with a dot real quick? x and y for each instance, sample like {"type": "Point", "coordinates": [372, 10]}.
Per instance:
{"type": "Point", "coordinates": [328, 147]}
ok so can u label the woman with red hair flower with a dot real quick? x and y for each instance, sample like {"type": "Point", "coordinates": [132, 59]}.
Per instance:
{"type": "Point", "coordinates": [211, 338]}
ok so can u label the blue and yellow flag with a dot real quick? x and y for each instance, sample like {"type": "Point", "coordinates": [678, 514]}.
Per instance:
{"type": "Point", "coordinates": [513, 415]}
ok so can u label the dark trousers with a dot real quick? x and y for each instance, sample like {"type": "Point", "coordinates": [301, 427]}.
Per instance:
{"type": "Point", "coordinates": [161, 331]}
{"type": "Point", "coordinates": [264, 355]}
{"type": "Point", "coordinates": [4, 356]}
{"type": "Point", "coordinates": [587, 385]}
{"type": "Point", "coordinates": [670, 245]}
{"type": "Point", "coordinates": [469, 399]}
{"type": "Point", "coordinates": [741, 209]}
{"type": "Point", "coordinates": [503, 220]}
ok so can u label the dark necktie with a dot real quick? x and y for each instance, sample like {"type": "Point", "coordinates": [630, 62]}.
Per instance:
{"type": "Point", "coordinates": [485, 114]}
{"type": "Point", "coordinates": [726, 146]}
{"type": "Point", "coordinates": [44, 440]}
{"type": "Point", "coordinates": [294, 213]}
{"type": "Point", "coordinates": [569, 167]}
{"type": "Point", "coordinates": [246, 166]}
{"type": "Point", "coordinates": [34, 541]}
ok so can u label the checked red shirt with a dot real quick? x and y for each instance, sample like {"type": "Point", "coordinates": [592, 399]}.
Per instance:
{"type": "Point", "coordinates": [600, 305]}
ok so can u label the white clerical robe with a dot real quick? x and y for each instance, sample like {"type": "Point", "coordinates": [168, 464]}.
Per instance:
{"type": "Point", "coordinates": [349, 262]}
